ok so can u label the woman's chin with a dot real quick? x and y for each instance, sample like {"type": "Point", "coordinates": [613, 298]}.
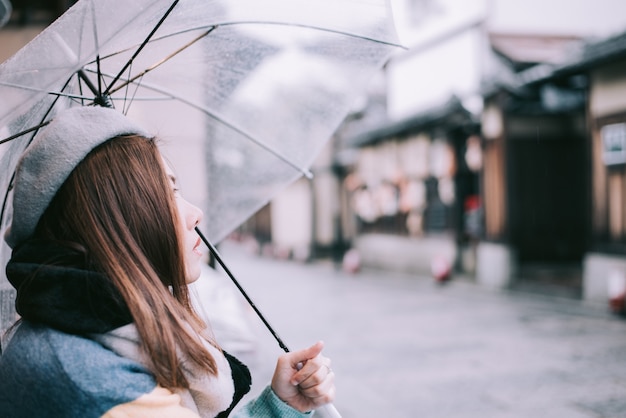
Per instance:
{"type": "Point", "coordinates": [192, 276]}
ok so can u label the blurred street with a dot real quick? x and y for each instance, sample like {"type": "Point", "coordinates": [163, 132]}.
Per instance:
{"type": "Point", "coordinates": [403, 346]}
{"type": "Point", "coordinates": [495, 140]}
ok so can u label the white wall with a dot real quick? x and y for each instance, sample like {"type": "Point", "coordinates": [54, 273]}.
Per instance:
{"type": "Point", "coordinates": [418, 26]}
{"type": "Point", "coordinates": [444, 59]}
{"type": "Point", "coordinates": [292, 216]}
{"type": "Point", "coordinates": [424, 80]}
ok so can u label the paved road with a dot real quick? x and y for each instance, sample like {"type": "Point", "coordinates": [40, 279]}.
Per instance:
{"type": "Point", "coordinates": [403, 346]}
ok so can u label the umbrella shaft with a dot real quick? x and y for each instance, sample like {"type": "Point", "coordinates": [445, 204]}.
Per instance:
{"type": "Point", "coordinates": [218, 258]}
{"type": "Point", "coordinates": [326, 411]}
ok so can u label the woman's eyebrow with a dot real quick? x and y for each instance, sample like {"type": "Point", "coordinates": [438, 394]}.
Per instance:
{"type": "Point", "coordinates": [172, 179]}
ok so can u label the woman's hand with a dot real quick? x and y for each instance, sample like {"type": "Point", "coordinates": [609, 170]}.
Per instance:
{"type": "Point", "coordinates": [303, 379]}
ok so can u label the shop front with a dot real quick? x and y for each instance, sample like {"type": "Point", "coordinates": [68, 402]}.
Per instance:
{"type": "Point", "coordinates": [413, 193]}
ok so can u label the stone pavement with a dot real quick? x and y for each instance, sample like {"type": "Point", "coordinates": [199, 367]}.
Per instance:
{"type": "Point", "coordinates": [403, 346]}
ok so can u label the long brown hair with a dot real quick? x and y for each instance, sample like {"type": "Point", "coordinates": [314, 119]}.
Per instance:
{"type": "Point", "coordinates": [118, 205]}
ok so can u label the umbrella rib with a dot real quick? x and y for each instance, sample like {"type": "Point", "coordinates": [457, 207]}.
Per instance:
{"type": "Point", "coordinates": [114, 99]}
{"type": "Point", "coordinates": [77, 96]}
{"type": "Point", "coordinates": [222, 120]}
{"type": "Point", "coordinates": [99, 74]}
{"type": "Point", "coordinates": [305, 172]}
{"type": "Point", "coordinates": [54, 93]}
{"type": "Point", "coordinates": [161, 62]}
{"type": "Point", "coordinates": [263, 22]}
{"type": "Point", "coordinates": [274, 23]}
{"type": "Point", "coordinates": [141, 47]}
{"type": "Point", "coordinates": [23, 87]}
{"type": "Point", "coordinates": [319, 28]}
{"type": "Point", "coordinates": [35, 128]}
{"type": "Point", "coordinates": [97, 42]}
{"type": "Point", "coordinates": [17, 135]}
{"type": "Point", "coordinates": [110, 90]}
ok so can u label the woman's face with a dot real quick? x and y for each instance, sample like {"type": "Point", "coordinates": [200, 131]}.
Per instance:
{"type": "Point", "coordinates": [189, 216]}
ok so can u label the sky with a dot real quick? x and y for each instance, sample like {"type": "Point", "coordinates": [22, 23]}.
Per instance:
{"type": "Point", "coordinates": [548, 17]}
{"type": "Point", "coordinates": [579, 17]}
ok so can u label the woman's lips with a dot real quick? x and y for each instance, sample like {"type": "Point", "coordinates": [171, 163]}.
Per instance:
{"type": "Point", "coordinates": [196, 248]}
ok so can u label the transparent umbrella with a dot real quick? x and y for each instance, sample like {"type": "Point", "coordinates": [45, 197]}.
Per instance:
{"type": "Point", "coordinates": [248, 90]}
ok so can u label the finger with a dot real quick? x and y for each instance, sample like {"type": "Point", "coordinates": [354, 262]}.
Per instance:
{"type": "Point", "coordinates": [305, 362]}
{"type": "Point", "coordinates": [318, 373]}
{"type": "Point", "coordinates": [321, 393]}
{"type": "Point", "coordinates": [302, 356]}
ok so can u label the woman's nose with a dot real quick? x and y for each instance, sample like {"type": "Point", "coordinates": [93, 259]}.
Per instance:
{"type": "Point", "coordinates": [194, 215]}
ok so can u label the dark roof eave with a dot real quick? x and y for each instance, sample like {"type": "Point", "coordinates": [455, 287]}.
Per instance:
{"type": "Point", "coordinates": [594, 55]}
{"type": "Point", "coordinates": [412, 123]}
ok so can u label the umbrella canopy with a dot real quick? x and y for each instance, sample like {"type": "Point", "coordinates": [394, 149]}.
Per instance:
{"type": "Point", "coordinates": [246, 91]}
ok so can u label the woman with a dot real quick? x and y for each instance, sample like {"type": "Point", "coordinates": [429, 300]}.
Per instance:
{"type": "Point", "coordinates": [103, 247]}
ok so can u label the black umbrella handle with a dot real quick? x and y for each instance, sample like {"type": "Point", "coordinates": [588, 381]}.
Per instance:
{"type": "Point", "coordinates": [218, 258]}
